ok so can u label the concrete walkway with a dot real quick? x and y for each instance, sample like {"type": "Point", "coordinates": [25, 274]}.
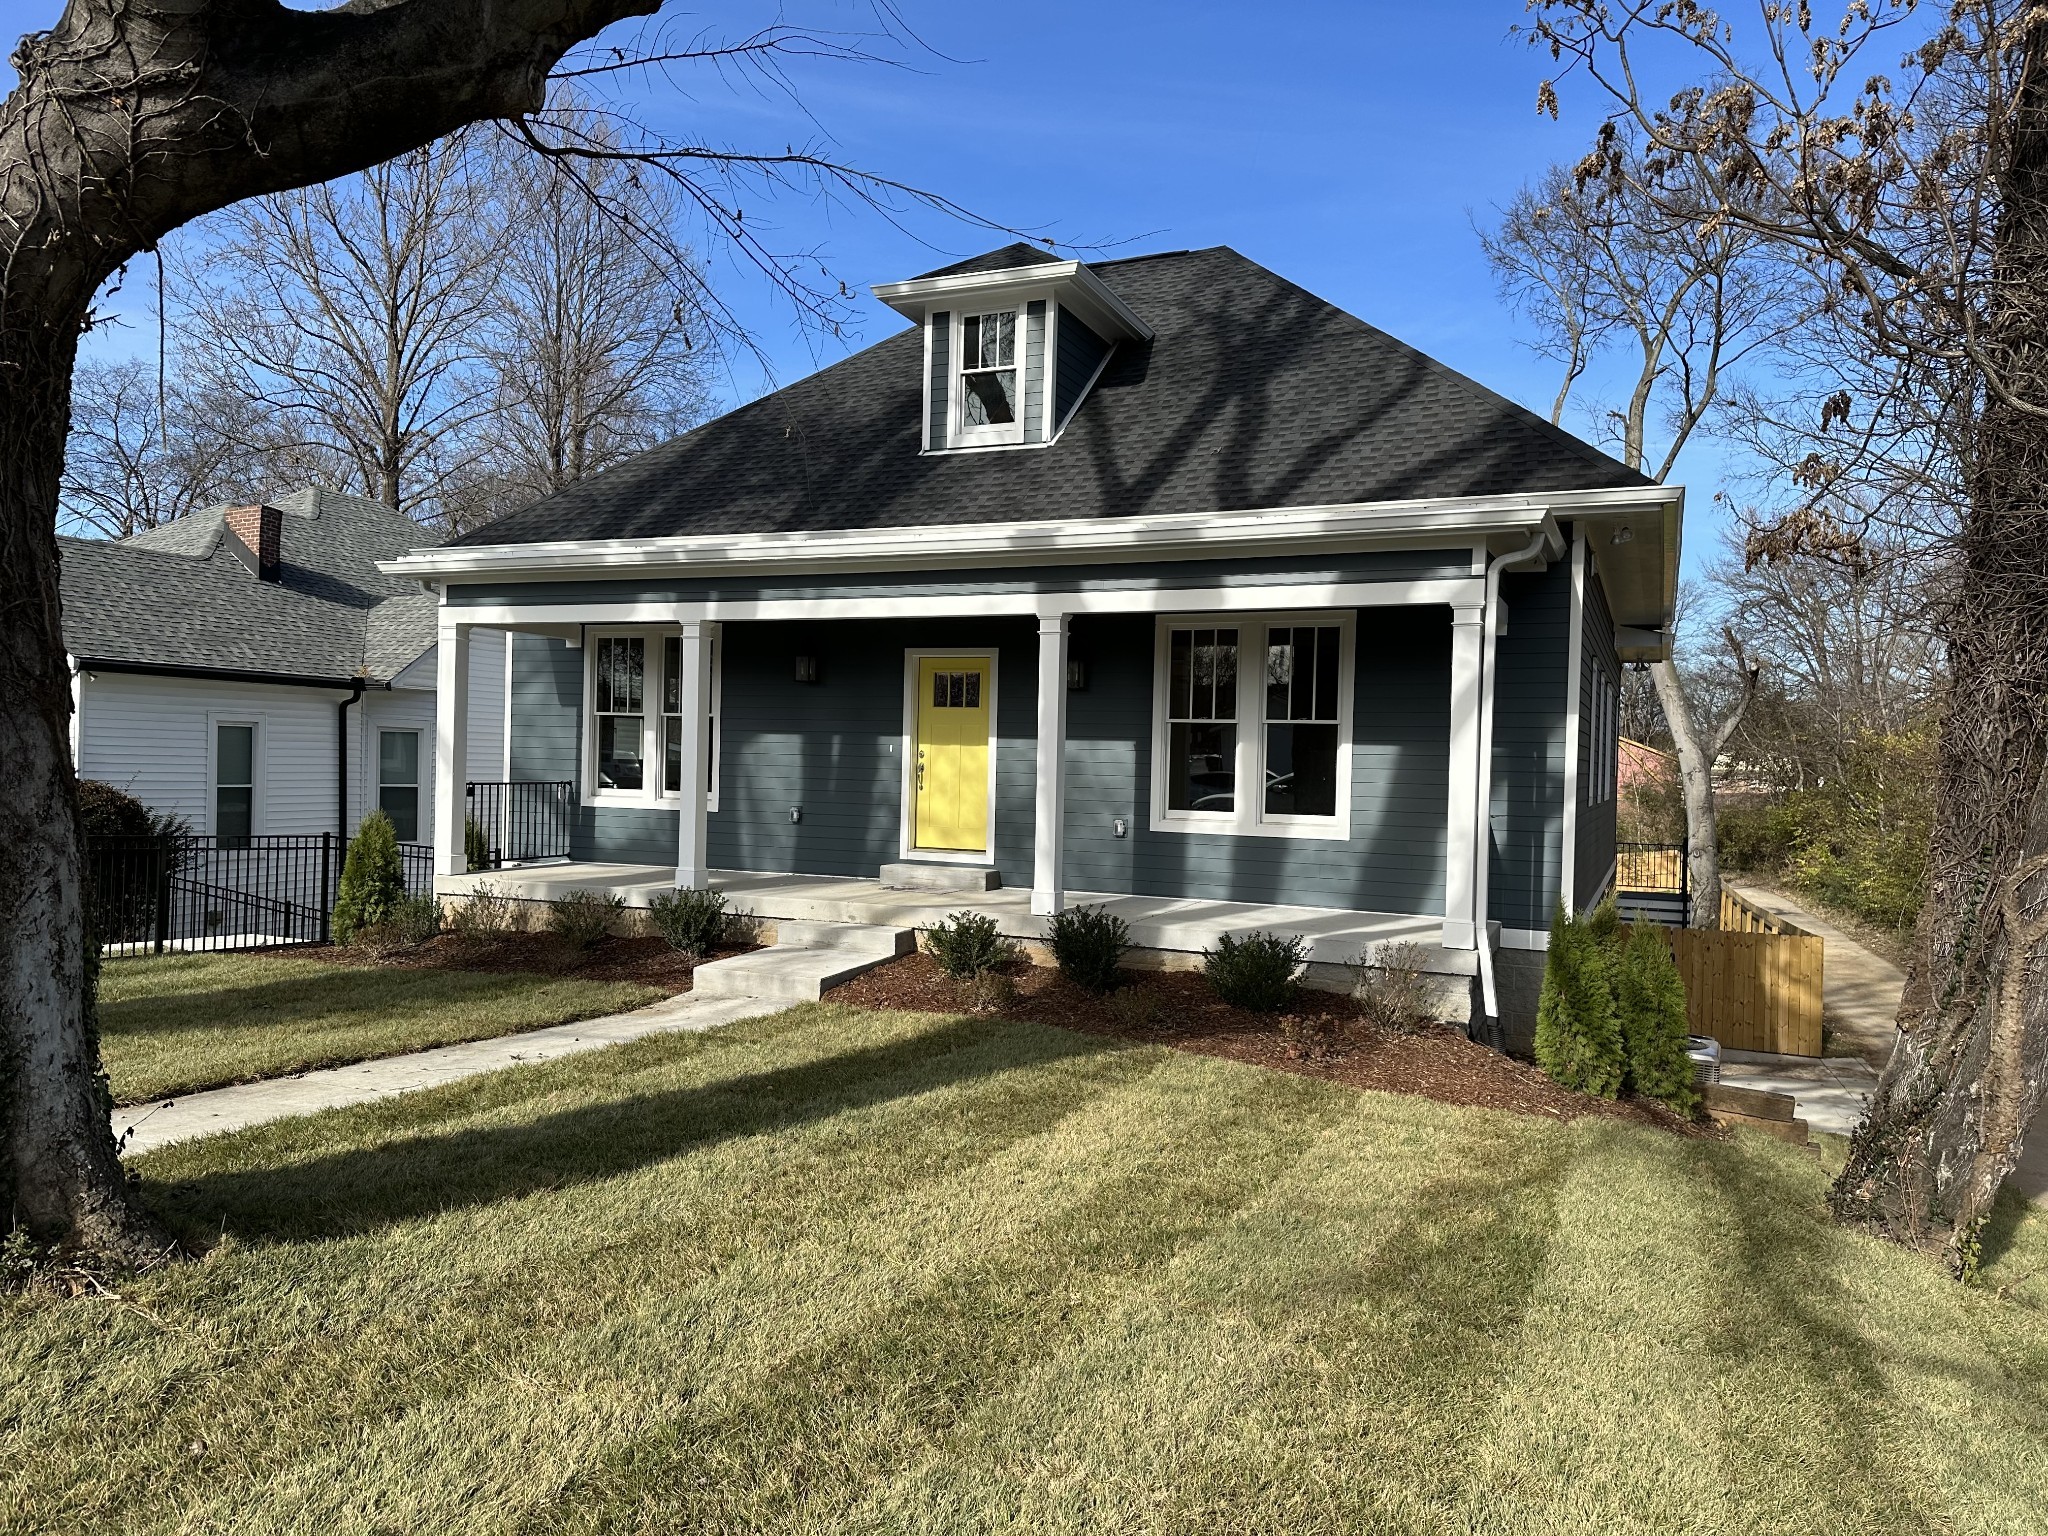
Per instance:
{"type": "Point", "coordinates": [160, 1122]}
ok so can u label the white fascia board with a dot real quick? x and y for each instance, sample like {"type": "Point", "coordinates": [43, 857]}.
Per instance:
{"type": "Point", "coordinates": [1438, 523]}
{"type": "Point", "coordinates": [1071, 282]}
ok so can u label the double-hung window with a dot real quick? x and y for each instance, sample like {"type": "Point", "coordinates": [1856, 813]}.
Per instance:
{"type": "Point", "coordinates": [398, 781]}
{"type": "Point", "coordinates": [234, 782]}
{"type": "Point", "coordinates": [1603, 734]}
{"type": "Point", "coordinates": [634, 744]}
{"type": "Point", "coordinates": [1252, 729]}
{"type": "Point", "coordinates": [990, 398]}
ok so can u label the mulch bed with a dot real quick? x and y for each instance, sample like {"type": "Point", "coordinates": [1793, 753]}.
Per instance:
{"type": "Point", "coordinates": [1325, 1037]}
{"type": "Point", "coordinates": [646, 959]}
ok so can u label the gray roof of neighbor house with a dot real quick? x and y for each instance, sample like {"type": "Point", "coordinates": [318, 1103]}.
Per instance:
{"type": "Point", "coordinates": [173, 598]}
{"type": "Point", "coordinates": [1253, 393]}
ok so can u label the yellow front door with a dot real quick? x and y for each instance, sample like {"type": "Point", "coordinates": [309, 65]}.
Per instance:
{"type": "Point", "coordinates": [953, 699]}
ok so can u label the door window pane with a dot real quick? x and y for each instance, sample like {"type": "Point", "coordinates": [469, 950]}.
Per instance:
{"type": "Point", "coordinates": [234, 780]}
{"type": "Point", "coordinates": [398, 781]}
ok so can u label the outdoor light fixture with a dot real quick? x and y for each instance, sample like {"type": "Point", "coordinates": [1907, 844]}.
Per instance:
{"type": "Point", "coordinates": [1623, 534]}
{"type": "Point", "coordinates": [807, 669]}
{"type": "Point", "coordinates": [1077, 675]}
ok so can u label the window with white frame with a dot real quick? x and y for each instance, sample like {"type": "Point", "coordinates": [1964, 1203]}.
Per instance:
{"type": "Point", "coordinates": [1603, 735]}
{"type": "Point", "coordinates": [990, 402]}
{"type": "Point", "coordinates": [1252, 727]}
{"type": "Point", "coordinates": [633, 752]}
{"type": "Point", "coordinates": [234, 781]}
{"type": "Point", "coordinates": [398, 781]}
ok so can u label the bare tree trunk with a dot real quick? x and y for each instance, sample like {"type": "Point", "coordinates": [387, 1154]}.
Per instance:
{"type": "Point", "coordinates": [1696, 776]}
{"type": "Point", "coordinates": [129, 120]}
{"type": "Point", "coordinates": [1966, 1075]}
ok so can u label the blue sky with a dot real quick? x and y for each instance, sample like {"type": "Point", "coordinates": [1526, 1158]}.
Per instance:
{"type": "Point", "coordinates": [1349, 147]}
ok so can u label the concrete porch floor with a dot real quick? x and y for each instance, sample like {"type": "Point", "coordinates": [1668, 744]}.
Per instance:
{"type": "Point", "coordinates": [1171, 925]}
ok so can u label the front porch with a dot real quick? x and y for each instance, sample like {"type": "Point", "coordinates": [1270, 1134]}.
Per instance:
{"type": "Point", "coordinates": [1168, 931]}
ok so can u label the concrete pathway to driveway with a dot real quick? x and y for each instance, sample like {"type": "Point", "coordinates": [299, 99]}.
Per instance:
{"type": "Point", "coordinates": [1859, 998]}
{"type": "Point", "coordinates": [162, 1121]}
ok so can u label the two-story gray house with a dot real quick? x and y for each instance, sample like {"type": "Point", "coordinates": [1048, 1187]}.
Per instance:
{"type": "Point", "coordinates": [1157, 581]}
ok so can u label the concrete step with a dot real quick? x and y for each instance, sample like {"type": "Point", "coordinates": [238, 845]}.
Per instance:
{"type": "Point", "coordinates": [793, 933]}
{"type": "Point", "coordinates": [806, 970]}
{"type": "Point", "coordinates": [912, 876]}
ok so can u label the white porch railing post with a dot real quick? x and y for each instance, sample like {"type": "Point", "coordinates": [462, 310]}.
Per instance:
{"type": "Point", "coordinates": [1462, 846]}
{"type": "Point", "coordinates": [451, 748]}
{"type": "Point", "coordinates": [1048, 856]}
{"type": "Point", "coordinates": [693, 860]}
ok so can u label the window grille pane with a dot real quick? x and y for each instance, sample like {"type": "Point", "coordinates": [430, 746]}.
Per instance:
{"type": "Point", "coordinates": [974, 690]}
{"type": "Point", "coordinates": [235, 754]}
{"type": "Point", "coordinates": [1301, 770]}
{"type": "Point", "coordinates": [1280, 674]}
{"type": "Point", "coordinates": [398, 757]}
{"type": "Point", "coordinates": [672, 674]}
{"type": "Point", "coordinates": [956, 689]}
{"type": "Point", "coordinates": [1201, 767]}
{"type": "Point", "coordinates": [618, 752]}
{"type": "Point", "coordinates": [1326, 673]}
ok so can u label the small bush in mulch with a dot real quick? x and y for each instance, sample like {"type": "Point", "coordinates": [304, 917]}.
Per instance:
{"type": "Point", "coordinates": [1258, 971]}
{"type": "Point", "coordinates": [1088, 944]}
{"type": "Point", "coordinates": [484, 914]}
{"type": "Point", "coordinates": [1392, 989]}
{"type": "Point", "coordinates": [585, 918]}
{"type": "Point", "coordinates": [968, 944]}
{"type": "Point", "coordinates": [691, 921]}
{"type": "Point", "coordinates": [413, 920]}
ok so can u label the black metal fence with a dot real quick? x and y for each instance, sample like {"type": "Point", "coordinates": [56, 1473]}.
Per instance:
{"type": "Point", "coordinates": [1651, 881]}
{"type": "Point", "coordinates": [199, 892]}
{"type": "Point", "coordinates": [519, 822]}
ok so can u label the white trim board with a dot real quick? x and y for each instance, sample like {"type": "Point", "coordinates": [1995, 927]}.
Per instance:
{"type": "Point", "coordinates": [1247, 599]}
{"type": "Point", "coordinates": [1575, 662]}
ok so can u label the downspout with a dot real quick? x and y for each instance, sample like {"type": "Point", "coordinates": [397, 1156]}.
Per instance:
{"type": "Point", "coordinates": [1489, 989]}
{"type": "Point", "coordinates": [355, 692]}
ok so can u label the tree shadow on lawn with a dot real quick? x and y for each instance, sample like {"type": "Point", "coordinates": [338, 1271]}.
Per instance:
{"type": "Point", "coordinates": [362, 1189]}
{"type": "Point", "coordinates": [335, 998]}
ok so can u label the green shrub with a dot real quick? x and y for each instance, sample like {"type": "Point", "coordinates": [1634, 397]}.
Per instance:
{"type": "Point", "coordinates": [1088, 945]}
{"type": "Point", "coordinates": [1649, 1001]}
{"type": "Point", "coordinates": [1578, 1038]}
{"type": "Point", "coordinates": [413, 920]}
{"type": "Point", "coordinates": [1136, 1007]}
{"type": "Point", "coordinates": [372, 880]}
{"type": "Point", "coordinates": [968, 944]}
{"type": "Point", "coordinates": [110, 812]}
{"type": "Point", "coordinates": [1257, 971]}
{"type": "Point", "coordinates": [585, 918]}
{"type": "Point", "coordinates": [691, 921]}
{"type": "Point", "coordinates": [476, 848]}
{"type": "Point", "coordinates": [990, 992]}
{"type": "Point", "coordinates": [484, 913]}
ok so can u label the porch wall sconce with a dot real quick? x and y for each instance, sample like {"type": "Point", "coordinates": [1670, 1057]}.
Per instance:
{"type": "Point", "coordinates": [807, 669]}
{"type": "Point", "coordinates": [1077, 675]}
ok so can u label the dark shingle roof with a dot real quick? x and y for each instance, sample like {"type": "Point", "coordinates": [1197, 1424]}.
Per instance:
{"type": "Point", "coordinates": [1253, 393]}
{"type": "Point", "coordinates": [1001, 260]}
{"type": "Point", "coordinates": [173, 597]}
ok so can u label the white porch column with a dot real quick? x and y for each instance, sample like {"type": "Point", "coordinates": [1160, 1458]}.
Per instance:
{"type": "Point", "coordinates": [1462, 849]}
{"type": "Point", "coordinates": [451, 747]}
{"type": "Point", "coordinates": [1048, 857]}
{"type": "Point", "coordinates": [693, 859]}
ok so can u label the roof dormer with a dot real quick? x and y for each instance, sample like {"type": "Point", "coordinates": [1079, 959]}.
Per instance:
{"type": "Point", "coordinates": [1012, 344]}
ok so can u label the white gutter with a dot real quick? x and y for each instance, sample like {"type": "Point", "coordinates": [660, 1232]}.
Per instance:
{"type": "Point", "coordinates": [1489, 990]}
{"type": "Point", "coordinates": [1208, 535]}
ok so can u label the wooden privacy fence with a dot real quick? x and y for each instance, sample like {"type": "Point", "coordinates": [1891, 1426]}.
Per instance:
{"type": "Point", "coordinates": [1753, 988]}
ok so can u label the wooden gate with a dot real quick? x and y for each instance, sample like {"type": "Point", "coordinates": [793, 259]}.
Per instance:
{"type": "Point", "coordinates": [1753, 991]}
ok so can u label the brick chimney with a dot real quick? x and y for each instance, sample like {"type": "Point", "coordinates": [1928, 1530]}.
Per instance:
{"type": "Point", "coordinates": [256, 538]}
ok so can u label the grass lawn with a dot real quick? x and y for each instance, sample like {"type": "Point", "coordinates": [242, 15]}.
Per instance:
{"type": "Point", "coordinates": [175, 1023]}
{"type": "Point", "coordinates": [845, 1271]}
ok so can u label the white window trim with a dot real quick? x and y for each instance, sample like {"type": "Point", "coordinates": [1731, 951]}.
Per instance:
{"type": "Point", "coordinates": [958, 433]}
{"type": "Point", "coordinates": [420, 817]}
{"type": "Point", "coordinates": [1250, 818]}
{"type": "Point", "coordinates": [257, 798]}
{"type": "Point", "coordinates": [650, 795]}
{"type": "Point", "coordinates": [907, 817]}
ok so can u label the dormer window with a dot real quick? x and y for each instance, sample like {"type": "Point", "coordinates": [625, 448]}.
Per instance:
{"type": "Point", "coordinates": [988, 378]}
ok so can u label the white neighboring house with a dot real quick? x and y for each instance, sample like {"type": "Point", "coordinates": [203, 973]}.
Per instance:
{"type": "Point", "coordinates": [250, 669]}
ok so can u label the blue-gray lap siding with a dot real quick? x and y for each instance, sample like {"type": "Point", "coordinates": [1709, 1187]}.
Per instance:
{"type": "Point", "coordinates": [1595, 844]}
{"type": "Point", "coordinates": [1080, 353]}
{"type": "Point", "coordinates": [1532, 660]}
{"type": "Point", "coordinates": [939, 401]}
{"type": "Point", "coordinates": [834, 749]}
